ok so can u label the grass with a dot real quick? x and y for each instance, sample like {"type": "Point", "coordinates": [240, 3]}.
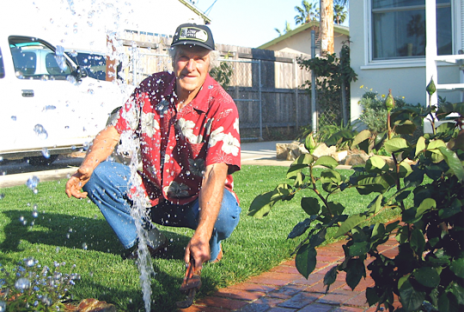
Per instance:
{"type": "Point", "coordinates": [64, 226]}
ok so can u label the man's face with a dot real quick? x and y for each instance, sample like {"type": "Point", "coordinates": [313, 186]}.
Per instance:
{"type": "Point", "coordinates": [191, 66]}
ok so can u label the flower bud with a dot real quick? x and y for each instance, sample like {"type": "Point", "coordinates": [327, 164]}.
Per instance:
{"type": "Point", "coordinates": [390, 101]}
{"type": "Point", "coordinates": [431, 88]}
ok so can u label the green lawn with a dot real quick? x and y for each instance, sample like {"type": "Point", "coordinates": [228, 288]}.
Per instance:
{"type": "Point", "coordinates": [64, 226]}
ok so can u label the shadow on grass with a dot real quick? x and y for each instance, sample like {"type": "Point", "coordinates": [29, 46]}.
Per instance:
{"type": "Point", "coordinates": [73, 232]}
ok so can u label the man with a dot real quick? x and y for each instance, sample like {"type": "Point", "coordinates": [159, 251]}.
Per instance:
{"type": "Point", "coordinates": [187, 126]}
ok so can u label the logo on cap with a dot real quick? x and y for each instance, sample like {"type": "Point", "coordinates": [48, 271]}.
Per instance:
{"type": "Point", "coordinates": [193, 33]}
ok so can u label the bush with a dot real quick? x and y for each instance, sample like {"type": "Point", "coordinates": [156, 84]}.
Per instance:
{"type": "Point", "coordinates": [428, 272]}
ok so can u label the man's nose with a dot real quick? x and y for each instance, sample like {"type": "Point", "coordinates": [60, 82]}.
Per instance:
{"type": "Point", "coordinates": [190, 65]}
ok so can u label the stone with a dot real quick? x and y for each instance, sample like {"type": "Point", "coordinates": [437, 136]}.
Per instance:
{"type": "Point", "coordinates": [281, 151]}
{"type": "Point", "coordinates": [289, 151]}
{"type": "Point", "coordinates": [339, 156]}
{"type": "Point", "coordinates": [355, 159]}
{"type": "Point", "coordinates": [93, 305]}
{"type": "Point", "coordinates": [323, 150]}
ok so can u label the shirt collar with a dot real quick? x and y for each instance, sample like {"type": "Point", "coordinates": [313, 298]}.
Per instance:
{"type": "Point", "coordinates": [201, 101]}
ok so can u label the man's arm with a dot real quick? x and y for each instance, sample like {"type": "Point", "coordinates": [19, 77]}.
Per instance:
{"type": "Point", "coordinates": [102, 147]}
{"type": "Point", "coordinates": [210, 199]}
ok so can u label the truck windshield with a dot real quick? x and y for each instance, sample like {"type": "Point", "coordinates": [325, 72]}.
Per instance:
{"type": "Point", "coordinates": [34, 60]}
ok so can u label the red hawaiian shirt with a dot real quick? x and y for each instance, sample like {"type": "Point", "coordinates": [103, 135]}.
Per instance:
{"type": "Point", "coordinates": [176, 147]}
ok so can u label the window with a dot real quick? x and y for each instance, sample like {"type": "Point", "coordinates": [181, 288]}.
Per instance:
{"type": "Point", "coordinates": [34, 59]}
{"type": "Point", "coordinates": [93, 64]}
{"type": "Point", "coordinates": [398, 29]}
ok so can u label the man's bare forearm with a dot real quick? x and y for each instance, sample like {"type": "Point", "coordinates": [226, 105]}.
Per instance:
{"type": "Point", "coordinates": [102, 147]}
{"type": "Point", "coordinates": [210, 199]}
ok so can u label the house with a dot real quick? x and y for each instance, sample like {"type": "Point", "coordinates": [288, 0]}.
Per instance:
{"type": "Point", "coordinates": [299, 39]}
{"type": "Point", "coordinates": [389, 51]}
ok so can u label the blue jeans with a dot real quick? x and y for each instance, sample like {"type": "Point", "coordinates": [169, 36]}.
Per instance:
{"type": "Point", "coordinates": [108, 187]}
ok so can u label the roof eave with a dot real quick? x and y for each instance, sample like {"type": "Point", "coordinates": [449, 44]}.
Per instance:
{"type": "Point", "coordinates": [194, 9]}
{"type": "Point", "coordinates": [339, 29]}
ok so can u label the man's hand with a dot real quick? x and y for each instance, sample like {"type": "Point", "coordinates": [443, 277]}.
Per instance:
{"type": "Point", "coordinates": [77, 181]}
{"type": "Point", "coordinates": [198, 249]}
{"type": "Point", "coordinates": [102, 147]}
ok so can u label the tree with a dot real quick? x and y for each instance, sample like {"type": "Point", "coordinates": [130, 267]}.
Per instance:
{"type": "Point", "coordinates": [306, 12]}
{"type": "Point", "coordinates": [340, 14]}
{"type": "Point", "coordinates": [285, 30]}
{"type": "Point", "coordinates": [326, 27]}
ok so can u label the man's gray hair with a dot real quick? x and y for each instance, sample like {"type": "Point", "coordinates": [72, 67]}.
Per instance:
{"type": "Point", "coordinates": [213, 57]}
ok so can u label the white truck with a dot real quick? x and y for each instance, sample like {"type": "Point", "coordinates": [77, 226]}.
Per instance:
{"type": "Point", "coordinates": [49, 104]}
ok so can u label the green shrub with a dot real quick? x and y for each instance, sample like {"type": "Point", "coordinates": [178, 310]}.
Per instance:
{"type": "Point", "coordinates": [428, 272]}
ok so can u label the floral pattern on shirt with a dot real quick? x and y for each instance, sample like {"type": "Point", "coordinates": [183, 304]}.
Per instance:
{"type": "Point", "coordinates": [178, 146]}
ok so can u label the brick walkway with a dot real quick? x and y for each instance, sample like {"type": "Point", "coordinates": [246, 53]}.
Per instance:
{"type": "Point", "coordinates": [283, 289]}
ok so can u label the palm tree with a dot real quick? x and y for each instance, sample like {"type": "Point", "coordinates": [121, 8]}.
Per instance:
{"type": "Point", "coordinates": [305, 13]}
{"type": "Point", "coordinates": [339, 14]}
{"type": "Point", "coordinates": [326, 26]}
{"type": "Point", "coordinates": [286, 29]}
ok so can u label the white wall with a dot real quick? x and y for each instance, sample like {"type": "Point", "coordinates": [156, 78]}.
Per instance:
{"type": "Point", "coordinates": [405, 78]}
{"type": "Point", "coordinates": [85, 24]}
{"type": "Point", "coordinates": [301, 43]}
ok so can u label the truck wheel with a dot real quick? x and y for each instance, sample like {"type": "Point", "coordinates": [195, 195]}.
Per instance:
{"type": "Point", "coordinates": [41, 161]}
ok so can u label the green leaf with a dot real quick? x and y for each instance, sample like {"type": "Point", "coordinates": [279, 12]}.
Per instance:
{"type": "Point", "coordinates": [310, 205]}
{"type": "Point", "coordinates": [406, 127]}
{"type": "Point", "coordinates": [262, 204]}
{"type": "Point", "coordinates": [326, 161]}
{"type": "Point", "coordinates": [410, 298]}
{"type": "Point", "coordinates": [349, 224]}
{"type": "Point", "coordinates": [451, 210]}
{"type": "Point", "coordinates": [427, 276]}
{"type": "Point", "coordinates": [376, 204]}
{"type": "Point", "coordinates": [336, 208]}
{"type": "Point", "coordinates": [402, 280]}
{"type": "Point", "coordinates": [435, 145]}
{"type": "Point", "coordinates": [299, 229]}
{"type": "Point", "coordinates": [457, 291]}
{"type": "Point", "coordinates": [378, 184]}
{"type": "Point", "coordinates": [299, 180]}
{"type": "Point", "coordinates": [362, 136]}
{"type": "Point", "coordinates": [376, 164]}
{"type": "Point", "coordinates": [371, 295]}
{"type": "Point", "coordinates": [378, 231]}
{"type": "Point", "coordinates": [318, 238]}
{"type": "Point", "coordinates": [405, 169]}
{"type": "Point", "coordinates": [417, 241]}
{"type": "Point", "coordinates": [330, 180]}
{"type": "Point", "coordinates": [354, 272]}
{"type": "Point", "coordinates": [426, 204]}
{"type": "Point", "coordinates": [330, 277]}
{"type": "Point", "coordinates": [305, 260]}
{"type": "Point", "coordinates": [457, 267]}
{"type": "Point", "coordinates": [305, 159]}
{"type": "Point", "coordinates": [453, 162]}
{"type": "Point", "coordinates": [420, 146]}
{"type": "Point", "coordinates": [359, 249]}
{"type": "Point", "coordinates": [396, 145]}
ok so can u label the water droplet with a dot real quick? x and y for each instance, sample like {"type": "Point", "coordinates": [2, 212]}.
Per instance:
{"type": "Point", "coordinates": [29, 262]}
{"type": "Point", "coordinates": [57, 249]}
{"type": "Point", "coordinates": [90, 91]}
{"type": "Point", "coordinates": [52, 21]}
{"type": "Point", "coordinates": [22, 283]}
{"type": "Point", "coordinates": [35, 191]}
{"type": "Point", "coordinates": [35, 214]}
{"type": "Point", "coordinates": [32, 182]}
{"type": "Point", "coordinates": [2, 196]}
{"type": "Point", "coordinates": [13, 118]}
{"type": "Point", "coordinates": [21, 218]}
{"type": "Point", "coordinates": [71, 79]}
{"type": "Point", "coordinates": [84, 246]}
{"type": "Point", "coordinates": [45, 153]}
{"type": "Point", "coordinates": [2, 306]}
{"type": "Point", "coordinates": [19, 75]}
{"type": "Point", "coordinates": [68, 235]}
{"type": "Point", "coordinates": [70, 230]}
{"type": "Point", "coordinates": [210, 86]}
{"type": "Point", "coordinates": [25, 222]}
{"type": "Point", "coordinates": [49, 107]}
{"type": "Point", "coordinates": [40, 131]}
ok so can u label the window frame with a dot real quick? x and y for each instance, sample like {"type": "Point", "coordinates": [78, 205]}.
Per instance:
{"type": "Point", "coordinates": [406, 62]}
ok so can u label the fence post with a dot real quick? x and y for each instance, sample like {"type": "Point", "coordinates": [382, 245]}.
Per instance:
{"type": "Point", "coordinates": [134, 67]}
{"type": "Point", "coordinates": [313, 84]}
{"type": "Point", "coordinates": [260, 103]}
{"type": "Point", "coordinates": [297, 102]}
{"type": "Point", "coordinates": [345, 115]}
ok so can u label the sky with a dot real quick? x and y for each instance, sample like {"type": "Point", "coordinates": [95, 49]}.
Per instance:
{"type": "Point", "coordinates": [248, 23]}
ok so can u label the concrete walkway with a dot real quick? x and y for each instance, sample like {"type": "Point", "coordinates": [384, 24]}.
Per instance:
{"type": "Point", "coordinates": [283, 289]}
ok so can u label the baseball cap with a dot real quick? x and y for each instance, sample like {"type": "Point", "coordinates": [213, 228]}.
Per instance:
{"type": "Point", "coordinates": [193, 34]}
